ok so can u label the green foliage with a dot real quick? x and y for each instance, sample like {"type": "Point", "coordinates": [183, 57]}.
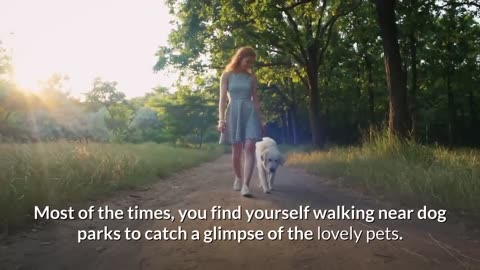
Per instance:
{"type": "Point", "coordinates": [144, 126]}
{"type": "Point", "coordinates": [325, 55]}
{"type": "Point", "coordinates": [294, 35]}
{"type": "Point", "coordinates": [105, 93]}
{"type": "Point", "coordinates": [5, 64]}
{"type": "Point", "coordinates": [412, 173]}
{"type": "Point", "coordinates": [281, 32]}
{"type": "Point", "coordinates": [188, 114]}
{"type": "Point", "coordinates": [295, 40]}
{"type": "Point", "coordinates": [61, 173]}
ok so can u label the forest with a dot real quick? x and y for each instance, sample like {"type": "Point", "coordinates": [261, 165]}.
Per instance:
{"type": "Point", "coordinates": [329, 73]}
{"type": "Point", "coordinates": [374, 106]}
{"type": "Point", "coordinates": [385, 92]}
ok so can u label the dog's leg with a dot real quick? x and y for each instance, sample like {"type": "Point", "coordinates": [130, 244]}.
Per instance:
{"type": "Point", "coordinates": [263, 180]}
{"type": "Point", "coordinates": [271, 179]}
{"type": "Point", "coordinates": [260, 172]}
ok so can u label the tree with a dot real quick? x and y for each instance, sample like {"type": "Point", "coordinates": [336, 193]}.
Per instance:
{"type": "Point", "coordinates": [399, 120]}
{"type": "Point", "coordinates": [187, 114]}
{"type": "Point", "coordinates": [281, 96]}
{"type": "Point", "coordinates": [119, 111]}
{"type": "Point", "coordinates": [297, 34]}
{"type": "Point", "coordinates": [453, 59]}
{"type": "Point", "coordinates": [13, 102]}
{"type": "Point", "coordinates": [105, 93]}
{"type": "Point", "coordinates": [5, 64]}
{"type": "Point", "coordinates": [352, 71]}
{"type": "Point", "coordinates": [144, 120]}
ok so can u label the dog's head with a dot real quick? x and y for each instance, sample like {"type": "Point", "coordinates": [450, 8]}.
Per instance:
{"type": "Point", "coordinates": [271, 159]}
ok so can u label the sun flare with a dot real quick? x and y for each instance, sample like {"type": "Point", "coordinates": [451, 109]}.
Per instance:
{"type": "Point", "coordinates": [75, 39]}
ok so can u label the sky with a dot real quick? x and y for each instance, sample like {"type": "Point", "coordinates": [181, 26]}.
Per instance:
{"type": "Point", "coordinates": [84, 39]}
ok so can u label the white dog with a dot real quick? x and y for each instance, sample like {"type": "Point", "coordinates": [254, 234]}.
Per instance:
{"type": "Point", "coordinates": [268, 159]}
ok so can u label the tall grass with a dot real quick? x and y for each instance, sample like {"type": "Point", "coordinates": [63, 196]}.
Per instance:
{"type": "Point", "coordinates": [404, 170]}
{"type": "Point", "coordinates": [58, 173]}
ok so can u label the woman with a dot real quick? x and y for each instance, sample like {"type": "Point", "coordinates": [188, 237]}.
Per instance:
{"type": "Point", "coordinates": [240, 124]}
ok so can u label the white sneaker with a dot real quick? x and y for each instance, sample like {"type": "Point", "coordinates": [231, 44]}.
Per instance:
{"type": "Point", "coordinates": [245, 191]}
{"type": "Point", "coordinates": [236, 184]}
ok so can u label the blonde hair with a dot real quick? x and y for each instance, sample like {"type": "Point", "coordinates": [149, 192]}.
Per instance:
{"type": "Point", "coordinates": [241, 53]}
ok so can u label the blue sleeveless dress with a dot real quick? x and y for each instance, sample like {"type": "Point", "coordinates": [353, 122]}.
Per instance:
{"type": "Point", "coordinates": [242, 119]}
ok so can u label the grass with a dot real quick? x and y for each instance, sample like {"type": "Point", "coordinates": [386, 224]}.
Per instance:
{"type": "Point", "coordinates": [403, 170]}
{"type": "Point", "coordinates": [59, 173]}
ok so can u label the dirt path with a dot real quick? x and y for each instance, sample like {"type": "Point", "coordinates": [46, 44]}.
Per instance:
{"type": "Point", "coordinates": [55, 246]}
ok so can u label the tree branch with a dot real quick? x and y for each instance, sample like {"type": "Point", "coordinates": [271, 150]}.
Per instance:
{"type": "Point", "coordinates": [329, 35]}
{"type": "Point", "coordinates": [297, 33]}
{"type": "Point", "coordinates": [284, 97]}
{"type": "Point", "coordinates": [285, 82]}
{"type": "Point", "coordinates": [285, 64]}
{"type": "Point", "coordinates": [463, 3]}
{"type": "Point", "coordinates": [292, 6]}
{"type": "Point", "coordinates": [297, 57]}
{"type": "Point", "coordinates": [330, 24]}
{"type": "Point", "coordinates": [322, 12]}
{"type": "Point", "coordinates": [240, 24]}
{"type": "Point", "coordinates": [275, 51]}
{"type": "Point", "coordinates": [304, 80]}
{"type": "Point", "coordinates": [258, 64]}
{"type": "Point", "coordinates": [302, 98]}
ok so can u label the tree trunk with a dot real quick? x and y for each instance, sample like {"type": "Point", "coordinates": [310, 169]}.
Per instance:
{"type": "Point", "coordinates": [399, 120]}
{"type": "Point", "coordinates": [451, 112]}
{"type": "Point", "coordinates": [450, 98]}
{"type": "Point", "coordinates": [201, 137]}
{"type": "Point", "coordinates": [327, 101]}
{"type": "Point", "coordinates": [413, 82]}
{"type": "Point", "coordinates": [426, 133]}
{"type": "Point", "coordinates": [284, 127]}
{"type": "Point", "coordinates": [471, 104]}
{"type": "Point", "coordinates": [293, 110]}
{"type": "Point", "coordinates": [289, 126]}
{"type": "Point", "coordinates": [293, 115]}
{"type": "Point", "coordinates": [314, 107]}
{"type": "Point", "coordinates": [473, 117]}
{"type": "Point", "coordinates": [358, 105]}
{"type": "Point", "coordinates": [460, 131]}
{"type": "Point", "coordinates": [371, 96]}
{"type": "Point", "coordinates": [473, 113]}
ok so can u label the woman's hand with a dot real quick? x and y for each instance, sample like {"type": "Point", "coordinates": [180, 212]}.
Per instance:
{"type": "Point", "coordinates": [221, 126]}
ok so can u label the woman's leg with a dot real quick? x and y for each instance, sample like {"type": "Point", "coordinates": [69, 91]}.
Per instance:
{"type": "Point", "coordinates": [248, 165]}
{"type": "Point", "coordinates": [237, 164]}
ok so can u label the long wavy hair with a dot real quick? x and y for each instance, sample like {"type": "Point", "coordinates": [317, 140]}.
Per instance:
{"type": "Point", "coordinates": [241, 53]}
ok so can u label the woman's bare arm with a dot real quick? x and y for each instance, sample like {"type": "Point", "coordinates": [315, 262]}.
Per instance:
{"type": "Point", "coordinates": [223, 96]}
